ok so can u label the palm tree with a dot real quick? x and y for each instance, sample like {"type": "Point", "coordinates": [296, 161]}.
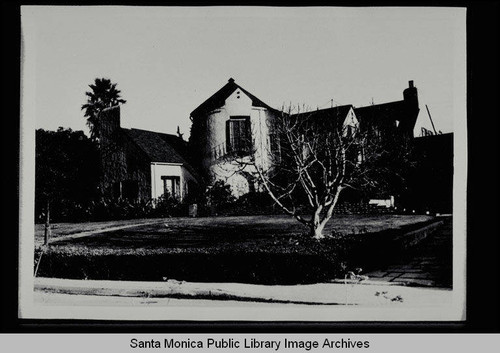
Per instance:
{"type": "Point", "coordinates": [103, 95]}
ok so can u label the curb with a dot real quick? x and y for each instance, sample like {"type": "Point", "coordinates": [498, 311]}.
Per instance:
{"type": "Point", "coordinates": [414, 237]}
{"type": "Point", "coordinates": [367, 282]}
{"type": "Point", "coordinates": [315, 294]}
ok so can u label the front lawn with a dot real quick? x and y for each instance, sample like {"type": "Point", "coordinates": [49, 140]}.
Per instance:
{"type": "Point", "coordinates": [208, 231]}
{"type": "Point", "coordinates": [253, 249]}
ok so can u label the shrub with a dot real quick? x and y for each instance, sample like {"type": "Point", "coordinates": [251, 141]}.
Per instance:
{"type": "Point", "coordinates": [167, 206]}
{"type": "Point", "coordinates": [105, 209]}
{"type": "Point", "coordinates": [253, 203]}
{"type": "Point", "coordinates": [289, 260]}
{"type": "Point", "coordinates": [219, 194]}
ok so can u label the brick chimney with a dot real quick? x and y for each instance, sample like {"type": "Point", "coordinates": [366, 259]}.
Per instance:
{"type": "Point", "coordinates": [410, 95]}
{"type": "Point", "coordinates": [109, 124]}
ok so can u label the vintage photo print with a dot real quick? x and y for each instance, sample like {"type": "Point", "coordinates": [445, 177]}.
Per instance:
{"type": "Point", "coordinates": [243, 163]}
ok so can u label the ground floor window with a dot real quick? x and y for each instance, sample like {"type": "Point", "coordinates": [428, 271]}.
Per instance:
{"type": "Point", "coordinates": [171, 186]}
{"type": "Point", "coordinates": [130, 190]}
{"type": "Point", "coordinates": [126, 189]}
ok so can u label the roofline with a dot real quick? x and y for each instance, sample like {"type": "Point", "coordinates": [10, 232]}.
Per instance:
{"type": "Point", "coordinates": [168, 163]}
{"type": "Point", "coordinates": [325, 109]}
{"type": "Point", "coordinates": [156, 132]}
{"type": "Point", "coordinates": [376, 105]}
{"type": "Point", "coordinates": [147, 157]}
{"type": "Point", "coordinates": [231, 81]}
{"type": "Point", "coordinates": [111, 108]}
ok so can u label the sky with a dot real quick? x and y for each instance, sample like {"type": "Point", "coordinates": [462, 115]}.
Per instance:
{"type": "Point", "coordinates": [168, 60]}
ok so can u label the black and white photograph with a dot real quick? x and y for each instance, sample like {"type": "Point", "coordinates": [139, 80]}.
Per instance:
{"type": "Point", "coordinates": [243, 163]}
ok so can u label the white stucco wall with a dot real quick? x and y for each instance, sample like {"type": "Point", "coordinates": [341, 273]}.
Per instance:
{"type": "Point", "coordinates": [166, 169]}
{"type": "Point", "coordinates": [216, 120]}
{"type": "Point", "coordinates": [237, 104]}
{"type": "Point", "coordinates": [260, 121]}
{"type": "Point", "coordinates": [231, 174]}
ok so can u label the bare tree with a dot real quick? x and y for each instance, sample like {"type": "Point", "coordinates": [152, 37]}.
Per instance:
{"type": "Point", "coordinates": [312, 158]}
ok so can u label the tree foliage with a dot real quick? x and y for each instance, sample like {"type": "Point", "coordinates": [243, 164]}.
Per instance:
{"type": "Point", "coordinates": [66, 167]}
{"type": "Point", "coordinates": [103, 94]}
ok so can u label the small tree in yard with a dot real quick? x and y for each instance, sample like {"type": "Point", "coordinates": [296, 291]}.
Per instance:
{"type": "Point", "coordinates": [318, 157]}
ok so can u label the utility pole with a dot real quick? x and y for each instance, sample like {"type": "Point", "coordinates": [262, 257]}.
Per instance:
{"type": "Point", "coordinates": [429, 113]}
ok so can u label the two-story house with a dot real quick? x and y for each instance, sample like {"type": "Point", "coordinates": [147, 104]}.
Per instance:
{"type": "Point", "coordinates": [235, 123]}
{"type": "Point", "coordinates": [229, 129]}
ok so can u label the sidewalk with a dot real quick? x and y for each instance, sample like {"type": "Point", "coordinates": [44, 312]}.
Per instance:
{"type": "Point", "coordinates": [428, 264]}
{"type": "Point", "coordinates": [314, 294]}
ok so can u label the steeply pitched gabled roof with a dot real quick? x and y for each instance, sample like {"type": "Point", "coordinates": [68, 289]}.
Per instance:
{"type": "Point", "coordinates": [387, 114]}
{"type": "Point", "coordinates": [386, 111]}
{"type": "Point", "coordinates": [328, 113]}
{"type": "Point", "coordinates": [155, 145]}
{"type": "Point", "coordinates": [218, 99]}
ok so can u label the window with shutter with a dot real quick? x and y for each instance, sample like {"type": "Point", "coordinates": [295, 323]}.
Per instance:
{"type": "Point", "coordinates": [238, 135]}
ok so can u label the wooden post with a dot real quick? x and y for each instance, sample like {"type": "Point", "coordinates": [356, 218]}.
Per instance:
{"type": "Point", "coordinates": [47, 225]}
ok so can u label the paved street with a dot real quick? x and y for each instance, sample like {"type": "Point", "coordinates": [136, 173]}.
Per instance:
{"type": "Point", "coordinates": [429, 264]}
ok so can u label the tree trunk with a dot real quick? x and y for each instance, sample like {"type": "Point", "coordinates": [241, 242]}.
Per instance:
{"type": "Point", "coordinates": [317, 228]}
{"type": "Point", "coordinates": [316, 224]}
{"type": "Point", "coordinates": [317, 233]}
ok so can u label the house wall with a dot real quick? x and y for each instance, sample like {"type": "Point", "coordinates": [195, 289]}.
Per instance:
{"type": "Point", "coordinates": [187, 177]}
{"type": "Point", "coordinates": [121, 160]}
{"type": "Point", "coordinates": [226, 169]}
{"type": "Point", "coordinates": [241, 181]}
{"type": "Point", "coordinates": [166, 169]}
{"type": "Point", "coordinates": [138, 169]}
